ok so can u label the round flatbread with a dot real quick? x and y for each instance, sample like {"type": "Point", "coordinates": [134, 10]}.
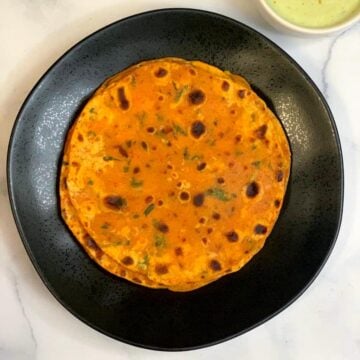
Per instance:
{"type": "Point", "coordinates": [177, 171]}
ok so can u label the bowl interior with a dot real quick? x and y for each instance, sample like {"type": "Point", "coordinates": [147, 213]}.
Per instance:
{"type": "Point", "coordinates": [278, 21]}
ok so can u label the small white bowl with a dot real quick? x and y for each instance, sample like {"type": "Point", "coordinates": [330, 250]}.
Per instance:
{"type": "Point", "coordinates": [283, 25]}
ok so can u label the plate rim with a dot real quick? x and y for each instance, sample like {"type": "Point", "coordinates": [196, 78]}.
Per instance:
{"type": "Point", "coordinates": [14, 208]}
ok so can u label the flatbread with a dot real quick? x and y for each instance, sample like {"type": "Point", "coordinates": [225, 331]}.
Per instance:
{"type": "Point", "coordinates": [177, 172]}
{"type": "Point", "coordinates": [69, 215]}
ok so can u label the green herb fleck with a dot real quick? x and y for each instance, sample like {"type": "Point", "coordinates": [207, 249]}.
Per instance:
{"type": "Point", "coordinates": [179, 91]}
{"type": "Point", "coordinates": [109, 158]}
{"type": "Point", "coordinates": [159, 134]}
{"type": "Point", "coordinates": [133, 81]}
{"type": "Point", "coordinates": [116, 243]}
{"type": "Point", "coordinates": [253, 147]}
{"type": "Point", "coordinates": [126, 169]}
{"type": "Point", "coordinates": [65, 163]}
{"type": "Point", "coordinates": [159, 241]}
{"type": "Point", "coordinates": [136, 183]}
{"type": "Point", "coordinates": [249, 240]}
{"type": "Point", "coordinates": [179, 130]}
{"type": "Point", "coordinates": [219, 194]}
{"type": "Point", "coordinates": [90, 182]}
{"type": "Point", "coordinates": [238, 153]}
{"type": "Point", "coordinates": [92, 111]}
{"type": "Point", "coordinates": [186, 154]}
{"type": "Point", "coordinates": [155, 223]}
{"type": "Point", "coordinates": [122, 242]}
{"type": "Point", "coordinates": [196, 157]}
{"type": "Point", "coordinates": [143, 264]}
{"type": "Point", "coordinates": [136, 216]}
{"type": "Point", "coordinates": [256, 164]}
{"type": "Point", "coordinates": [91, 134]}
{"type": "Point", "coordinates": [159, 117]}
{"type": "Point", "coordinates": [105, 226]}
{"type": "Point", "coordinates": [149, 209]}
{"type": "Point", "coordinates": [141, 117]}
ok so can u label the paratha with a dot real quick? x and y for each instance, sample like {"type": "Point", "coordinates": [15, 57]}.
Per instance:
{"type": "Point", "coordinates": [177, 172]}
{"type": "Point", "coordinates": [69, 215]}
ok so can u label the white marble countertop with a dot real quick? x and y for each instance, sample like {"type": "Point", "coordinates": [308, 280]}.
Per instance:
{"type": "Point", "coordinates": [323, 324]}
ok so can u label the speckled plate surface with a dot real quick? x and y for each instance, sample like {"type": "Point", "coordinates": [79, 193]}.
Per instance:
{"type": "Point", "coordinates": [294, 253]}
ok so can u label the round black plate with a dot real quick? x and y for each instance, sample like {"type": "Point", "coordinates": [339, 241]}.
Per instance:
{"type": "Point", "coordinates": [298, 246]}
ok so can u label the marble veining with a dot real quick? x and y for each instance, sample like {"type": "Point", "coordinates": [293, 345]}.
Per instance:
{"type": "Point", "coordinates": [324, 68]}
{"type": "Point", "coordinates": [15, 283]}
{"type": "Point", "coordinates": [323, 324]}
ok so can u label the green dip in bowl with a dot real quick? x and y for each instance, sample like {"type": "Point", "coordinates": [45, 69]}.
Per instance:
{"type": "Point", "coordinates": [310, 16]}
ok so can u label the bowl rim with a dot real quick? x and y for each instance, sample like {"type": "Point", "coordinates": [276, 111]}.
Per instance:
{"type": "Point", "coordinates": [304, 29]}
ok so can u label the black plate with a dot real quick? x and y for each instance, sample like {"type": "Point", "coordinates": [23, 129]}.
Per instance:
{"type": "Point", "coordinates": [298, 246]}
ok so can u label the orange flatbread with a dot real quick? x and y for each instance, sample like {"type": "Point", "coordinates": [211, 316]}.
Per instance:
{"type": "Point", "coordinates": [177, 171]}
{"type": "Point", "coordinates": [69, 215]}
